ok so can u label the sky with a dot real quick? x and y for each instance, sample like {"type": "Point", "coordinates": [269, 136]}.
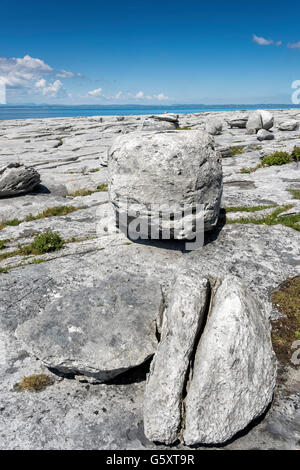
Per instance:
{"type": "Point", "coordinates": [149, 52]}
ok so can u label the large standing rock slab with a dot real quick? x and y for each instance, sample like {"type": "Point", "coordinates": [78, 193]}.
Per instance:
{"type": "Point", "coordinates": [17, 179]}
{"type": "Point", "coordinates": [260, 119]}
{"type": "Point", "coordinates": [235, 368]}
{"type": "Point", "coordinates": [171, 170]}
{"type": "Point", "coordinates": [169, 368]}
{"type": "Point", "coordinates": [99, 331]}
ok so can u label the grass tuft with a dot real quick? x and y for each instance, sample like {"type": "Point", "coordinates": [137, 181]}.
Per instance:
{"type": "Point", "coordinates": [236, 150]}
{"type": "Point", "coordinates": [34, 383]}
{"type": "Point", "coordinates": [289, 220]}
{"type": "Point", "coordinates": [295, 193]}
{"type": "Point", "coordinates": [286, 330]}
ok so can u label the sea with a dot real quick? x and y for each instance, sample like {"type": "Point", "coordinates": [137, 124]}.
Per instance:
{"type": "Point", "coordinates": [8, 112]}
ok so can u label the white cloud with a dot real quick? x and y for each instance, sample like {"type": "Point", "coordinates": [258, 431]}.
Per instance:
{"type": "Point", "coordinates": [52, 89]}
{"type": "Point", "coordinates": [139, 95]}
{"type": "Point", "coordinates": [295, 45]}
{"type": "Point", "coordinates": [161, 97]}
{"type": "Point", "coordinates": [27, 75]}
{"type": "Point", "coordinates": [119, 95]}
{"type": "Point", "coordinates": [265, 42]}
{"type": "Point", "coordinates": [96, 92]}
{"type": "Point", "coordinates": [157, 97]}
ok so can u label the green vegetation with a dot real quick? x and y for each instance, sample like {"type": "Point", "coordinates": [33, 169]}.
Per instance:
{"type": "Point", "coordinates": [295, 193]}
{"type": "Point", "coordinates": [51, 212]}
{"type": "Point", "coordinates": [248, 209]}
{"type": "Point", "coordinates": [43, 243]}
{"type": "Point", "coordinates": [102, 187]}
{"type": "Point", "coordinates": [184, 128]}
{"type": "Point", "coordinates": [34, 383]}
{"type": "Point", "coordinates": [237, 150]}
{"type": "Point", "coordinates": [287, 328]}
{"type": "Point", "coordinates": [274, 218]}
{"type": "Point", "coordinates": [296, 154]}
{"type": "Point", "coordinates": [88, 192]}
{"type": "Point", "coordinates": [2, 243]}
{"type": "Point", "coordinates": [276, 158]}
{"type": "Point", "coordinates": [37, 261]}
{"type": "Point", "coordinates": [94, 170]}
{"type": "Point", "coordinates": [3, 270]}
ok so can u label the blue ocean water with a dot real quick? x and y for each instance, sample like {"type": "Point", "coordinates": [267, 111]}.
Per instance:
{"type": "Point", "coordinates": [44, 111]}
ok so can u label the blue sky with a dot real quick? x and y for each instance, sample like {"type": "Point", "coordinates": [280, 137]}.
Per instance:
{"type": "Point", "coordinates": [149, 52]}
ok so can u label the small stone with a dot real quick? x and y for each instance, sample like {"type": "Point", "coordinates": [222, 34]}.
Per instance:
{"type": "Point", "coordinates": [290, 125]}
{"type": "Point", "coordinates": [262, 134]}
{"type": "Point", "coordinates": [17, 179]}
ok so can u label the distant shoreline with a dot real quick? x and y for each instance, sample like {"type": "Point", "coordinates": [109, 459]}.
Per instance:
{"type": "Point", "coordinates": [32, 111]}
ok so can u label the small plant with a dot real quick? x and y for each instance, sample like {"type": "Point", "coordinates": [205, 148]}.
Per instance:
{"type": "Point", "coordinates": [2, 243]}
{"type": "Point", "coordinates": [295, 193]}
{"type": "Point", "coordinates": [275, 218]}
{"type": "Point", "coordinates": [184, 128]}
{"type": "Point", "coordinates": [296, 153]}
{"type": "Point", "coordinates": [34, 383]}
{"type": "Point", "coordinates": [276, 158]}
{"type": "Point", "coordinates": [3, 270]}
{"type": "Point", "coordinates": [248, 170]}
{"type": "Point", "coordinates": [287, 328]}
{"type": "Point", "coordinates": [37, 261]}
{"type": "Point", "coordinates": [236, 150]}
{"type": "Point", "coordinates": [94, 170]}
{"type": "Point", "coordinates": [248, 209]}
{"type": "Point", "coordinates": [46, 242]}
{"type": "Point", "coordinates": [52, 212]}
{"type": "Point", "coordinates": [102, 187]}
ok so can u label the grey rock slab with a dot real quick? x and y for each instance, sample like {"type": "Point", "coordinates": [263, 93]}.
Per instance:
{"type": "Point", "coordinates": [170, 171]}
{"type": "Point", "coordinates": [99, 332]}
{"type": "Point", "coordinates": [260, 119]}
{"type": "Point", "coordinates": [234, 372]}
{"type": "Point", "coordinates": [238, 121]}
{"type": "Point", "coordinates": [263, 134]}
{"type": "Point", "coordinates": [165, 383]}
{"type": "Point", "coordinates": [290, 125]}
{"type": "Point", "coordinates": [17, 179]}
{"type": "Point", "coordinates": [214, 126]}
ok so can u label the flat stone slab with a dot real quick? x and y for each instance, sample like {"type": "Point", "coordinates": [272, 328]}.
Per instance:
{"type": "Point", "coordinates": [100, 331]}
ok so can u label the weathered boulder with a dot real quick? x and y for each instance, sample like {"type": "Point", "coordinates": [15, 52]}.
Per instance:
{"type": "Point", "coordinates": [154, 173]}
{"type": "Point", "coordinates": [165, 382]}
{"type": "Point", "coordinates": [239, 122]}
{"type": "Point", "coordinates": [214, 126]}
{"type": "Point", "coordinates": [16, 178]}
{"type": "Point", "coordinates": [290, 125]}
{"type": "Point", "coordinates": [161, 122]}
{"type": "Point", "coordinates": [234, 372]}
{"type": "Point", "coordinates": [262, 134]}
{"type": "Point", "coordinates": [260, 119]}
{"type": "Point", "coordinates": [100, 331]}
